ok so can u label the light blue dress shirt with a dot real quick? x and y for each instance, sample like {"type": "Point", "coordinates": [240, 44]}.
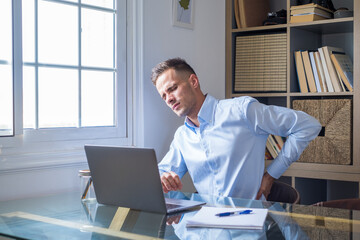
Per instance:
{"type": "Point", "coordinates": [225, 154]}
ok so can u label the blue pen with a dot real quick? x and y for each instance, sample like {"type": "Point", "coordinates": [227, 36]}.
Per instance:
{"type": "Point", "coordinates": [225, 214]}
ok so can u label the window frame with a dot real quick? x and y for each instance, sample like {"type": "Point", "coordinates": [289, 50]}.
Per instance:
{"type": "Point", "coordinates": [60, 142]}
{"type": "Point", "coordinates": [10, 132]}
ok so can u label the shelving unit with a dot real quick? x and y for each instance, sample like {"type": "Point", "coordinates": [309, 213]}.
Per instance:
{"type": "Point", "coordinates": [342, 32]}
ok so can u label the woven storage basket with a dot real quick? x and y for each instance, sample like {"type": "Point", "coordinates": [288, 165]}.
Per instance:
{"type": "Point", "coordinates": [333, 145]}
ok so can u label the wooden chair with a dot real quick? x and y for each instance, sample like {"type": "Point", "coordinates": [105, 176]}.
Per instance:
{"type": "Point", "coordinates": [282, 192]}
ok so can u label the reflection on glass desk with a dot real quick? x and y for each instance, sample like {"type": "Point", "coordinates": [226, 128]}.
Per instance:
{"type": "Point", "coordinates": [65, 216]}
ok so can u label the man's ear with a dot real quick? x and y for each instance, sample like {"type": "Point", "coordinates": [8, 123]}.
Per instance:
{"type": "Point", "coordinates": [194, 81]}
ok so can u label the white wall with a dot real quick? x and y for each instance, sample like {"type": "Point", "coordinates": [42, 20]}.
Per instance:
{"type": "Point", "coordinates": [203, 48]}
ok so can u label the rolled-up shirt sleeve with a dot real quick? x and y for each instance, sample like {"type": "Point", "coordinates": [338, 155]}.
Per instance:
{"type": "Point", "coordinates": [173, 161]}
{"type": "Point", "coordinates": [299, 128]}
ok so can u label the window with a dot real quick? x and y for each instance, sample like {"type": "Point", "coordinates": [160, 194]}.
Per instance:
{"type": "Point", "coordinates": [69, 64]}
{"type": "Point", "coordinates": [6, 72]}
{"type": "Point", "coordinates": [73, 62]}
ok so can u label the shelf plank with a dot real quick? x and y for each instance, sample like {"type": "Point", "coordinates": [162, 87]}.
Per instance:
{"type": "Point", "coordinates": [258, 94]}
{"type": "Point", "coordinates": [260, 28]}
{"type": "Point", "coordinates": [293, 94]}
{"type": "Point", "coordinates": [338, 25]}
{"type": "Point", "coordinates": [337, 176]}
{"type": "Point", "coordinates": [322, 94]}
{"type": "Point", "coordinates": [315, 167]}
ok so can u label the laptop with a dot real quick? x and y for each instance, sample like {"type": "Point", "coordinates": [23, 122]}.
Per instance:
{"type": "Point", "coordinates": [129, 177]}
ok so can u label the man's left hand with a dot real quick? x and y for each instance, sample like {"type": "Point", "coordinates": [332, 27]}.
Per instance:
{"type": "Point", "coordinates": [265, 187]}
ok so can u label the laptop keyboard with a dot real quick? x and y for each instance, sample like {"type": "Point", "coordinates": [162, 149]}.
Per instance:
{"type": "Point", "coordinates": [171, 206]}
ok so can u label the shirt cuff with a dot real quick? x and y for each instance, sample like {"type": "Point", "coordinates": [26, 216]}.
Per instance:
{"type": "Point", "coordinates": [277, 168]}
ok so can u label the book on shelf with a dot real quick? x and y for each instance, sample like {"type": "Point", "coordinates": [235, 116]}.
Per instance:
{"type": "Point", "coordinates": [324, 12]}
{"type": "Point", "coordinates": [308, 13]}
{"type": "Point", "coordinates": [271, 148]}
{"type": "Point", "coordinates": [326, 72]}
{"type": "Point", "coordinates": [253, 12]}
{"type": "Point", "coordinates": [327, 50]}
{"type": "Point", "coordinates": [237, 14]}
{"type": "Point", "coordinates": [319, 87]}
{"type": "Point", "coordinates": [308, 71]}
{"type": "Point", "coordinates": [299, 66]}
{"type": "Point", "coordinates": [344, 67]}
{"type": "Point", "coordinates": [279, 141]}
{"type": "Point", "coordinates": [267, 154]}
{"type": "Point", "coordinates": [306, 18]}
{"type": "Point", "coordinates": [274, 145]}
{"type": "Point", "coordinates": [320, 70]}
{"type": "Point", "coordinates": [309, 6]}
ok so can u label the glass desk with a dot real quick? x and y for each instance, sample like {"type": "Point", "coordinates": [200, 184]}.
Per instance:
{"type": "Point", "coordinates": [64, 216]}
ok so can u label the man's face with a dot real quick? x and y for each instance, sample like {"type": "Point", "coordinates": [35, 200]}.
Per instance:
{"type": "Point", "coordinates": [178, 93]}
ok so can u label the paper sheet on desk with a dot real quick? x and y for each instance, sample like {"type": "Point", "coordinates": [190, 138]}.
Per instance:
{"type": "Point", "coordinates": [206, 217]}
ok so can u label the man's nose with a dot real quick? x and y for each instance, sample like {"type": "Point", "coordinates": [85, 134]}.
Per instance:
{"type": "Point", "coordinates": [170, 99]}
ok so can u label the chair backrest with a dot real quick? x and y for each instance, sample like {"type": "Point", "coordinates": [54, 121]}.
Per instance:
{"type": "Point", "coordinates": [282, 192]}
{"type": "Point", "coordinates": [351, 204]}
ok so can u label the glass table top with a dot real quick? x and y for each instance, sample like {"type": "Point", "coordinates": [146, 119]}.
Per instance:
{"type": "Point", "coordinates": [65, 216]}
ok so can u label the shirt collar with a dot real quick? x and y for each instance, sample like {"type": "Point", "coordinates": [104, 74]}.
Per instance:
{"type": "Point", "coordinates": [206, 113]}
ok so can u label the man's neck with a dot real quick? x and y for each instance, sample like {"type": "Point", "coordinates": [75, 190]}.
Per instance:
{"type": "Point", "coordinates": [194, 117]}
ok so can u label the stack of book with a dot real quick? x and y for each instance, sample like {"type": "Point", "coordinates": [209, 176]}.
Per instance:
{"type": "Point", "coordinates": [273, 146]}
{"type": "Point", "coordinates": [260, 63]}
{"type": "Point", "coordinates": [327, 69]}
{"type": "Point", "coordinates": [309, 12]}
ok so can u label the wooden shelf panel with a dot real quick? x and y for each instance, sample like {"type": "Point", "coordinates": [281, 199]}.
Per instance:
{"type": "Point", "coordinates": [259, 94]}
{"type": "Point", "coordinates": [260, 28]}
{"type": "Point", "coordinates": [340, 25]}
{"type": "Point", "coordinates": [324, 94]}
{"type": "Point", "coordinates": [315, 167]}
{"type": "Point", "coordinates": [294, 94]}
{"type": "Point", "coordinates": [338, 176]}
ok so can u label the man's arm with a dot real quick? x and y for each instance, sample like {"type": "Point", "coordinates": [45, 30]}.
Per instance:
{"type": "Point", "coordinates": [172, 168]}
{"type": "Point", "coordinates": [299, 128]}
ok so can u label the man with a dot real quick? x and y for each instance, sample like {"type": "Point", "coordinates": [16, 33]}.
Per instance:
{"type": "Point", "coordinates": [222, 143]}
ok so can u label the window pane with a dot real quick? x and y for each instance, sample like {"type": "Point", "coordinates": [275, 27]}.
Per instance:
{"type": "Point", "coordinates": [100, 3]}
{"type": "Point", "coordinates": [5, 30]}
{"type": "Point", "coordinates": [28, 30]}
{"type": "Point", "coordinates": [29, 97]}
{"type": "Point", "coordinates": [58, 98]}
{"type": "Point", "coordinates": [97, 38]}
{"type": "Point", "coordinates": [6, 100]}
{"type": "Point", "coordinates": [97, 101]}
{"type": "Point", "coordinates": [58, 33]}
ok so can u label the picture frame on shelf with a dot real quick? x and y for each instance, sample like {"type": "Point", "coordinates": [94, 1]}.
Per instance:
{"type": "Point", "coordinates": [183, 13]}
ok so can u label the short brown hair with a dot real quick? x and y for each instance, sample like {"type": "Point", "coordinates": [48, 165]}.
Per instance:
{"type": "Point", "coordinates": [178, 64]}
